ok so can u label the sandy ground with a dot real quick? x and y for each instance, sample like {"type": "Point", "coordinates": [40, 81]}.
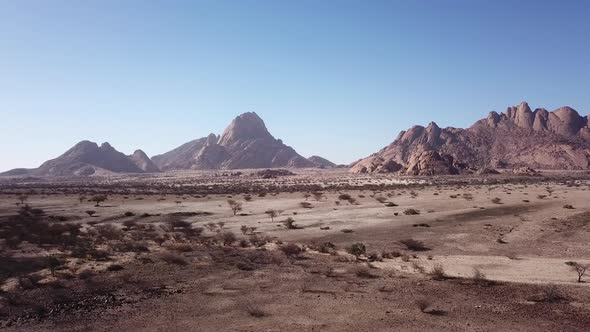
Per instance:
{"type": "Point", "coordinates": [520, 235]}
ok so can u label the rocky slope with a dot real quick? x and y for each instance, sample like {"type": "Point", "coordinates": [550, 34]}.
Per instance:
{"type": "Point", "coordinates": [245, 143]}
{"type": "Point", "coordinates": [87, 158]}
{"type": "Point", "coordinates": [517, 138]}
{"type": "Point", "coordinates": [141, 160]}
{"type": "Point", "coordinates": [321, 162]}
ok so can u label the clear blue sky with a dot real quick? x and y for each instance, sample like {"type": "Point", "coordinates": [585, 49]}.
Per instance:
{"type": "Point", "coordinates": [335, 78]}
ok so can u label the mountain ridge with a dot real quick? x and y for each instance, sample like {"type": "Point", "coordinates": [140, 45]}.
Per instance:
{"type": "Point", "coordinates": [516, 138]}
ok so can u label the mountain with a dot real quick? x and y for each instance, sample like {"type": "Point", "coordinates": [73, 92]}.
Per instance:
{"type": "Point", "coordinates": [87, 158]}
{"type": "Point", "coordinates": [141, 160]}
{"type": "Point", "coordinates": [245, 143]}
{"type": "Point", "coordinates": [321, 162]}
{"type": "Point", "coordinates": [517, 138]}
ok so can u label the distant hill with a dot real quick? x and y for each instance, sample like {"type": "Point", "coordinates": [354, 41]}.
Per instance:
{"type": "Point", "coordinates": [517, 138]}
{"type": "Point", "coordinates": [321, 162]}
{"type": "Point", "coordinates": [245, 143]}
{"type": "Point", "coordinates": [87, 158]}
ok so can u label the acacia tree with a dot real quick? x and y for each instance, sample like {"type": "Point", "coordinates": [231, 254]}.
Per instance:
{"type": "Point", "coordinates": [272, 214]}
{"type": "Point", "coordinates": [98, 199]}
{"type": "Point", "coordinates": [580, 269]}
{"type": "Point", "coordinates": [235, 206]}
{"type": "Point", "coordinates": [23, 198]}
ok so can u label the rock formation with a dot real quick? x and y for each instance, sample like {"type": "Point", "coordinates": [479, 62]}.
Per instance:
{"type": "Point", "coordinates": [87, 158]}
{"type": "Point", "coordinates": [245, 143]}
{"type": "Point", "coordinates": [517, 138]}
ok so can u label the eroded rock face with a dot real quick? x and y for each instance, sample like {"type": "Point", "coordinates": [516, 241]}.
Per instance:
{"type": "Point", "coordinates": [144, 162]}
{"type": "Point", "coordinates": [245, 143]}
{"type": "Point", "coordinates": [517, 138]}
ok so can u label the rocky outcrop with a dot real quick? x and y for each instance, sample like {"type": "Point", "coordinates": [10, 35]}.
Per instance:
{"type": "Point", "coordinates": [517, 138]}
{"type": "Point", "coordinates": [321, 162]}
{"type": "Point", "coordinates": [87, 158]}
{"type": "Point", "coordinates": [142, 161]}
{"type": "Point", "coordinates": [245, 143]}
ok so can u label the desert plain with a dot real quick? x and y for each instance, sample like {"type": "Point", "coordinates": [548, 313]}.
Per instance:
{"type": "Point", "coordinates": [308, 250]}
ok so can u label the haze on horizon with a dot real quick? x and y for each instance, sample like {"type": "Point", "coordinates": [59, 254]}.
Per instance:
{"type": "Point", "coordinates": [339, 79]}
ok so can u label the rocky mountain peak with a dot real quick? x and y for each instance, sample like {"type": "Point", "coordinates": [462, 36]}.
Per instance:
{"type": "Point", "coordinates": [246, 126]}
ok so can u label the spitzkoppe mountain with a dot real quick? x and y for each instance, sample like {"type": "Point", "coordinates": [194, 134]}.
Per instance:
{"type": "Point", "coordinates": [245, 143]}
{"type": "Point", "coordinates": [517, 138]}
{"type": "Point", "coordinates": [87, 158]}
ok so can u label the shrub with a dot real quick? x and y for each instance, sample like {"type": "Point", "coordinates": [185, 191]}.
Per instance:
{"type": "Point", "coordinates": [292, 250]}
{"type": "Point", "coordinates": [364, 272]}
{"type": "Point", "coordinates": [423, 305]}
{"type": "Point", "coordinates": [438, 273]}
{"type": "Point", "coordinates": [414, 245]}
{"type": "Point", "coordinates": [129, 214]}
{"type": "Point", "coordinates": [496, 200]}
{"type": "Point", "coordinates": [172, 258]}
{"type": "Point", "coordinates": [228, 238]}
{"type": "Point", "coordinates": [290, 223]}
{"type": "Point", "coordinates": [381, 199]}
{"type": "Point", "coordinates": [411, 212]}
{"type": "Point", "coordinates": [306, 205]}
{"type": "Point", "coordinates": [357, 249]}
{"type": "Point", "coordinates": [114, 267]}
{"type": "Point", "coordinates": [255, 312]}
{"type": "Point", "coordinates": [567, 206]}
{"type": "Point", "coordinates": [327, 247]}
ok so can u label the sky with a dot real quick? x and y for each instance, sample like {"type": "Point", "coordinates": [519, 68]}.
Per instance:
{"type": "Point", "coordinates": [339, 79]}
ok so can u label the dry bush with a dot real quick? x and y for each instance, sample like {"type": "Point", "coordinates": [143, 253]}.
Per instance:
{"type": "Point", "coordinates": [228, 238]}
{"type": "Point", "coordinates": [568, 206]}
{"type": "Point", "coordinates": [292, 250]}
{"type": "Point", "coordinates": [364, 272]}
{"type": "Point", "coordinates": [357, 249]}
{"type": "Point", "coordinates": [390, 254]}
{"type": "Point", "coordinates": [306, 205]}
{"type": "Point", "coordinates": [381, 199]}
{"type": "Point", "coordinates": [290, 223]}
{"type": "Point", "coordinates": [549, 294]}
{"type": "Point", "coordinates": [411, 212]}
{"type": "Point", "coordinates": [181, 247]}
{"type": "Point", "coordinates": [172, 258]}
{"type": "Point", "coordinates": [414, 245]}
{"type": "Point", "coordinates": [255, 311]}
{"type": "Point", "coordinates": [497, 200]}
{"type": "Point", "coordinates": [438, 272]}
{"type": "Point", "coordinates": [423, 305]}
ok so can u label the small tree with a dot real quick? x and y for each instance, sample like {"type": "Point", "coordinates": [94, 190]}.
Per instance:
{"type": "Point", "coordinates": [82, 198]}
{"type": "Point", "coordinates": [53, 263]}
{"type": "Point", "coordinates": [307, 196]}
{"type": "Point", "coordinates": [318, 195]}
{"type": "Point", "coordinates": [235, 206]}
{"type": "Point", "coordinates": [272, 214]}
{"type": "Point", "coordinates": [98, 199]}
{"type": "Point", "coordinates": [23, 198]}
{"type": "Point", "coordinates": [580, 269]}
